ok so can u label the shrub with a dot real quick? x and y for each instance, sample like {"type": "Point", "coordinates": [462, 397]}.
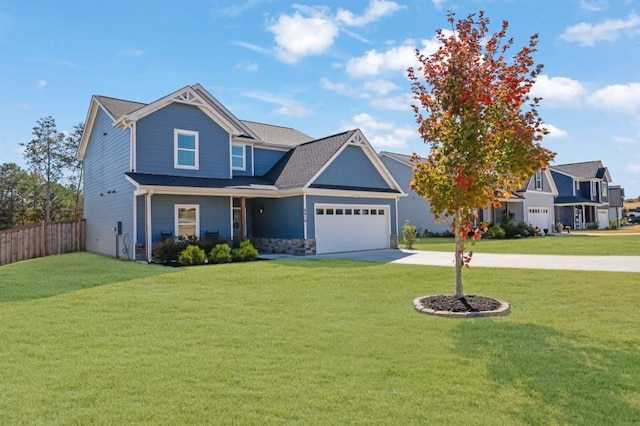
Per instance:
{"type": "Point", "coordinates": [511, 230]}
{"type": "Point", "coordinates": [409, 234]}
{"type": "Point", "coordinates": [168, 250]}
{"type": "Point", "coordinates": [192, 255]}
{"type": "Point", "coordinates": [245, 252]}
{"type": "Point", "coordinates": [592, 225]}
{"type": "Point", "coordinates": [559, 227]}
{"type": "Point", "coordinates": [613, 224]}
{"type": "Point", "coordinates": [221, 253]}
{"type": "Point", "coordinates": [496, 232]}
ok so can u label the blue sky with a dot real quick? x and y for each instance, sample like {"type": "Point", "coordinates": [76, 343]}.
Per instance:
{"type": "Point", "coordinates": [317, 65]}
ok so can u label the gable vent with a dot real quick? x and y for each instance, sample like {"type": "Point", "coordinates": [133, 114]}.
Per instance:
{"type": "Point", "coordinates": [357, 140]}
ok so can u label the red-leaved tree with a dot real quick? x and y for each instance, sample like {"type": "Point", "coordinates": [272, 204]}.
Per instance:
{"type": "Point", "coordinates": [483, 130]}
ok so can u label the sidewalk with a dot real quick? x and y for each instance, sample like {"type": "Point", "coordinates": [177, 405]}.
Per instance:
{"type": "Point", "coordinates": [487, 260]}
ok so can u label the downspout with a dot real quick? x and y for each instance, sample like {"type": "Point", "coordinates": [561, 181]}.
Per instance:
{"type": "Point", "coordinates": [304, 216]}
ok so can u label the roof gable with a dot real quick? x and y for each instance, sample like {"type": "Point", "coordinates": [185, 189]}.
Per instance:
{"type": "Point", "coordinates": [585, 170]}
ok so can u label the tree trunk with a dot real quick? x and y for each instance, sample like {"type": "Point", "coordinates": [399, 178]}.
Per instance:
{"type": "Point", "coordinates": [457, 222]}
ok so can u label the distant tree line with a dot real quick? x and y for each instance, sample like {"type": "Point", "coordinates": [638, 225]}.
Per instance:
{"type": "Point", "coordinates": [51, 187]}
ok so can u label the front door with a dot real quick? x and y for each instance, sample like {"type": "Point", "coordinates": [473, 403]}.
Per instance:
{"type": "Point", "coordinates": [237, 219]}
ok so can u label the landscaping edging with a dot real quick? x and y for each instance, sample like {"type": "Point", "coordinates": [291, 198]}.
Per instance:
{"type": "Point", "coordinates": [504, 309]}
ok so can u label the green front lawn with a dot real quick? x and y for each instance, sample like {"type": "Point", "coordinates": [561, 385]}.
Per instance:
{"type": "Point", "coordinates": [313, 342]}
{"type": "Point", "coordinates": [600, 245]}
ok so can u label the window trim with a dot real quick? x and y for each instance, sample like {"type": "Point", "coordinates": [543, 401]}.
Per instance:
{"type": "Point", "coordinates": [604, 190]}
{"type": "Point", "coordinates": [176, 224]}
{"type": "Point", "coordinates": [196, 150]}
{"type": "Point", "coordinates": [538, 181]}
{"type": "Point", "coordinates": [594, 190]}
{"type": "Point", "coordinates": [244, 157]}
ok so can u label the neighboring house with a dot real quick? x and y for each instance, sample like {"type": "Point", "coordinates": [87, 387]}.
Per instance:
{"type": "Point", "coordinates": [413, 208]}
{"type": "Point", "coordinates": [533, 204]}
{"type": "Point", "coordinates": [616, 203]}
{"type": "Point", "coordinates": [583, 196]}
{"type": "Point", "coordinates": [185, 165]}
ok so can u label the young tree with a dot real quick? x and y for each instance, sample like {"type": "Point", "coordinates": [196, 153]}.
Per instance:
{"type": "Point", "coordinates": [12, 179]}
{"type": "Point", "coordinates": [75, 166]}
{"type": "Point", "coordinates": [482, 127]}
{"type": "Point", "coordinates": [48, 155]}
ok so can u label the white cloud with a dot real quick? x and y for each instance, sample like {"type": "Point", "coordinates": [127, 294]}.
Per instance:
{"type": "Point", "coordinates": [287, 107]}
{"type": "Point", "coordinates": [554, 132]}
{"type": "Point", "coordinates": [247, 66]}
{"type": "Point", "coordinates": [40, 84]}
{"type": "Point", "coordinates": [253, 47]}
{"type": "Point", "coordinates": [237, 9]}
{"type": "Point", "coordinates": [623, 98]}
{"type": "Point", "coordinates": [298, 36]}
{"type": "Point", "coordinates": [438, 3]}
{"type": "Point", "coordinates": [343, 89]}
{"type": "Point", "coordinates": [594, 5]}
{"type": "Point", "coordinates": [374, 11]}
{"type": "Point", "coordinates": [130, 52]}
{"type": "Point", "coordinates": [396, 103]}
{"type": "Point", "coordinates": [395, 59]}
{"type": "Point", "coordinates": [382, 134]}
{"type": "Point", "coordinates": [558, 91]}
{"type": "Point", "coordinates": [588, 34]}
{"type": "Point", "coordinates": [624, 143]}
{"type": "Point", "coordinates": [381, 87]}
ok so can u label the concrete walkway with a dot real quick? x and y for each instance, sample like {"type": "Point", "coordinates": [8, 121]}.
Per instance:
{"type": "Point", "coordinates": [488, 260]}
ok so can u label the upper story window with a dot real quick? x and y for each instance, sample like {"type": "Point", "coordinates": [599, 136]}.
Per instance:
{"type": "Point", "coordinates": [185, 149]}
{"type": "Point", "coordinates": [594, 190]}
{"type": "Point", "coordinates": [238, 157]}
{"type": "Point", "coordinates": [187, 220]}
{"type": "Point", "coordinates": [577, 185]}
{"type": "Point", "coordinates": [603, 189]}
{"type": "Point", "coordinates": [538, 181]}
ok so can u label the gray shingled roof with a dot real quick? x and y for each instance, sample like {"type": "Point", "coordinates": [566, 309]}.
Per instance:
{"type": "Point", "coordinates": [277, 134]}
{"type": "Point", "coordinates": [297, 168]}
{"type": "Point", "coordinates": [118, 107]}
{"type": "Point", "coordinates": [401, 157]}
{"type": "Point", "coordinates": [584, 170]}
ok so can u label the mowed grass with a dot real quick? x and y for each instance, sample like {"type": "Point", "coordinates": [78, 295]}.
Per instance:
{"type": "Point", "coordinates": [317, 342]}
{"type": "Point", "coordinates": [573, 244]}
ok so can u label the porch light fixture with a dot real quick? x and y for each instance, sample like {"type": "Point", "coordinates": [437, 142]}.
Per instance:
{"type": "Point", "coordinates": [261, 210]}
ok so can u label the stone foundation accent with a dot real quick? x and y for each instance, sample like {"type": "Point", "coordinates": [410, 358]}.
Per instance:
{"type": "Point", "coordinates": [298, 247]}
{"type": "Point", "coordinates": [393, 241]}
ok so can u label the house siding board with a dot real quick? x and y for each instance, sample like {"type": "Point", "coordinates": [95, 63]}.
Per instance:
{"type": "Point", "coordinates": [265, 159]}
{"type": "Point", "coordinates": [215, 214]}
{"type": "Point", "coordinates": [281, 218]}
{"type": "Point", "coordinates": [316, 199]}
{"type": "Point", "coordinates": [413, 207]}
{"type": "Point", "coordinates": [155, 142]}
{"type": "Point", "coordinates": [105, 162]}
{"type": "Point", "coordinates": [352, 168]}
{"type": "Point", "coordinates": [564, 184]}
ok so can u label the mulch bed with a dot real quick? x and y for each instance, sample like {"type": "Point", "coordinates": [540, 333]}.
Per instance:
{"type": "Point", "coordinates": [469, 303]}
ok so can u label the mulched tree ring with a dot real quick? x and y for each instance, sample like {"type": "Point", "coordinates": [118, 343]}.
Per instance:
{"type": "Point", "coordinates": [468, 307]}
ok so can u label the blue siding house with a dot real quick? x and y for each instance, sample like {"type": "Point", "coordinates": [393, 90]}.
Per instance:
{"type": "Point", "coordinates": [583, 196]}
{"type": "Point", "coordinates": [184, 165]}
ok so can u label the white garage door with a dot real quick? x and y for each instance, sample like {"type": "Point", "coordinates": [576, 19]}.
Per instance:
{"type": "Point", "coordinates": [603, 218]}
{"type": "Point", "coordinates": [342, 227]}
{"type": "Point", "coordinates": [540, 217]}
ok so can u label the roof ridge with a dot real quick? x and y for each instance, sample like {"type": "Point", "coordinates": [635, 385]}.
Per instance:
{"type": "Point", "coordinates": [120, 99]}
{"type": "Point", "coordinates": [328, 137]}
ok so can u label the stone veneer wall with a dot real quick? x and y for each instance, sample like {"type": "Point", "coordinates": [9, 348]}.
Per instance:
{"type": "Point", "coordinates": [299, 247]}
{"type": "Point", "coordinates": [393, 241]}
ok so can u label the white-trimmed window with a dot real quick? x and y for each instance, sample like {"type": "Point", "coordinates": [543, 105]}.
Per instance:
{"type": "Point", "coordinates": [185, 149]}
{"type": "Point", "coordinates": [577, 185]}
{"type": "Point", "coordinates": [603, 189]}
{"type": "Point", "coordinates": [538, 181]}
{"type": "Point", "coordinates": [187, 220]}
{"type": "Point", "coordinates": [238, 157]}
{"type": "Point", "coordinates": [594, 190]}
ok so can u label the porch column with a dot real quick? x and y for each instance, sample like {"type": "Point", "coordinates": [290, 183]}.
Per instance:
{"type": "Point", "coordinates": [243, 219]}
{"type": "Point", "coordinates": [147, 226]}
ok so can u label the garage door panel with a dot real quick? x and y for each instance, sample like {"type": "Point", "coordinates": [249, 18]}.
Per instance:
{"type": "Point", "coordinates": [540, 217]}
{"type": "Point", "coordinates": [348, 228]}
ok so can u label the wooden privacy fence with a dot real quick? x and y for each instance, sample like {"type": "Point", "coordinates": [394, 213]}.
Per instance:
{"type": "Point", "coordinates": [44, 239]}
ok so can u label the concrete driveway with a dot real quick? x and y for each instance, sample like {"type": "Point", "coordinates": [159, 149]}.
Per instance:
{"type": "Point", "coordinates": [487, 260]}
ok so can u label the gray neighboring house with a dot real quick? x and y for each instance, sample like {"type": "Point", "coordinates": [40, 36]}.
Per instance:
{"type": "Point", "coordinates": [616, 203]}
{"type": "Point", "coordinates": [413, 208]}
{"type": "Point", "coordinates": [533, 204]}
